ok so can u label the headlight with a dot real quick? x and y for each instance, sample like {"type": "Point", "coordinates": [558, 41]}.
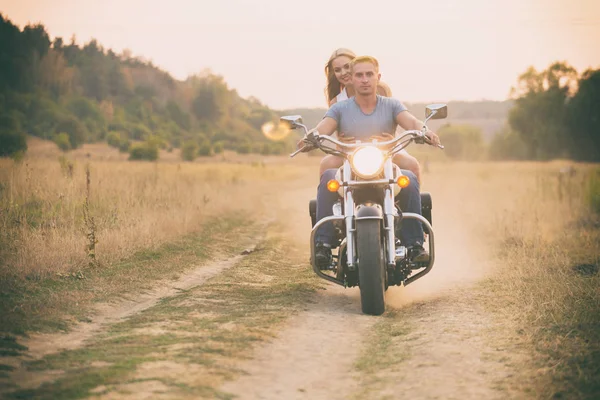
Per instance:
{"type": "Point", "coordinates": [367, 161]}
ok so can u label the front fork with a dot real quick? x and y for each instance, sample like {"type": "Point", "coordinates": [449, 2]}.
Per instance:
{"type": "Point", "coordinates": [389, 210]}
{"type": "Point", "coordinates": [350, 220]}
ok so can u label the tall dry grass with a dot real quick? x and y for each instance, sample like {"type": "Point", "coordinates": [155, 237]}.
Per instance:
{"type": "Point", "coordinates": [539, 229]}
{"type": "Point", "coordinates": [51, 217]}
{"type": "Point", "coordinates": [547, 289]}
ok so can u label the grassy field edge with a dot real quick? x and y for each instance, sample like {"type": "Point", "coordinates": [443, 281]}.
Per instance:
{"type": "Point", "coordinates": [54, 303]}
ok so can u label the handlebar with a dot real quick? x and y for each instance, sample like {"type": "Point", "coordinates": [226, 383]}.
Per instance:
{"type": "Point", "coordinates": [314, 140]}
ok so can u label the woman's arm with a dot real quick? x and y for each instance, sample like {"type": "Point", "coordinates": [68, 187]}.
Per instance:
{"type": "Point", "coordinates": [383, 89]}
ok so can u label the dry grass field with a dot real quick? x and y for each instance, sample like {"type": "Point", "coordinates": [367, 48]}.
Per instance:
{"type": "Point", "coordinates": [547, 290]}
{"type": "Point", "coordinates": [59, 213]}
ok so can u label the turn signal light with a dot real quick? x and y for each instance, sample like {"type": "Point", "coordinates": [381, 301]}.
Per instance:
{"type": "Point", "coordinates": [333, 185]}
{"type": "Point", "coordinates": [403, 181]}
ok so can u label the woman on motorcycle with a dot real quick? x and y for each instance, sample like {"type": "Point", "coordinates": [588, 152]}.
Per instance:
{"type": "Point", "coordinates": [339, 88]}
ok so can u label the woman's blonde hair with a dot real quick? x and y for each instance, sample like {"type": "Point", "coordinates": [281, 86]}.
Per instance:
{"type": "Point", "coordinates": [334, 87]}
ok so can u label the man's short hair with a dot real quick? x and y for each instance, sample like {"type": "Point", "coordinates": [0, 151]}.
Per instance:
{"type": "Point", "coordinates": [365, 59]}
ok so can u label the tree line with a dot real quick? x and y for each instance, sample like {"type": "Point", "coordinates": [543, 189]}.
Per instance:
{"type": "Point", "coordinates": [74, 94]}
{"type": "Point", "coordinates": [556, 114]}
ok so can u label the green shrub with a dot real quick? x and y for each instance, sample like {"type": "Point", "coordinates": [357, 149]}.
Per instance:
{"type": "Point", "coordinates": [113, 139]}
{"type": "Point", "coordinates": [205, 150]}
{"type": "Point", "coordinates": [118, 140]}
{"type": "Point", "coordinates": [75, 129]}
{"type": "Point", "coordinates": [143, 151]}
{"type": "Point", "coordinates": [157, 141]}
{"type": "Point", "coordinates": [462, 142]}
{"type": "Point", "coordinates": [244, 148]}
{"type": "Point", "coordinates": [189, 150]}
{"type": "Point", "coordinates": [117, 125]}
{"type": "Point", "coordinates": [593, 191]}
{"type": "Point", "coordinates": [124, 146]}
{"type": "Point", "coordinates": [62, 141]}
{"type": "Point", "coordinates": [18, 156]}
{"type": "Point", "coordinates": [138, 132]}
{"type": "Point", "coordinates": [218, 148]}
{"type": "Point", "coordinates": [12, 143]}
{"type": "Point", "coordinates": [12, 138]}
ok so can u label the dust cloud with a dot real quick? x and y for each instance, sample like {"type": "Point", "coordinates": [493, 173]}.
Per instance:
{"type": "Point", "coordinates": [462, 254]}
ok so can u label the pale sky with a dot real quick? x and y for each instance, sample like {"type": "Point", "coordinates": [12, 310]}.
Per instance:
{"type": "Point", "coordinates": [275, 50]}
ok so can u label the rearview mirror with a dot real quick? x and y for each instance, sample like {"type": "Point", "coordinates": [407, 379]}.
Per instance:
{"type": "Point", "coordinates": [436, 111]}
{"type": "Point", "coordinates": [292, 121]}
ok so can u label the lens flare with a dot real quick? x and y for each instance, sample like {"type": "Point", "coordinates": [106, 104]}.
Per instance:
{"type": "Point", "coordinates": [275, 131]}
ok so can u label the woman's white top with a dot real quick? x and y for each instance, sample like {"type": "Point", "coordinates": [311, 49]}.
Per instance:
{"type": "Point", "coordinates": [342, 96]}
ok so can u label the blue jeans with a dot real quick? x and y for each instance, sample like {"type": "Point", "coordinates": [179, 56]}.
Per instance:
{"type": "Point", "coordinates": [409, 200]}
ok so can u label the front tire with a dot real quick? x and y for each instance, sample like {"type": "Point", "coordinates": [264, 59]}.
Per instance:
{"type": "Point", "coordinates": [371, 271]}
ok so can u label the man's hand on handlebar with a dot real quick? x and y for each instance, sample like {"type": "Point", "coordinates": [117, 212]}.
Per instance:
{"type": "Point", "coordinates": [305, 144]}
{"type": "Point", "coordinates": [432, 138]}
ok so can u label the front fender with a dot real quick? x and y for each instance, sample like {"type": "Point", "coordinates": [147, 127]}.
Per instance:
{"type": "Point", "coordinates": [371, 211]}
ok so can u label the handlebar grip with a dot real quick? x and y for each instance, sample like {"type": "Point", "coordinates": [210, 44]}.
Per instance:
{"type": "Point", "coordinates": [296, 152]}
{"type": "Point", "coordinates": [303, 148]}
{"type": "Point", "coordinates": [426, 140]}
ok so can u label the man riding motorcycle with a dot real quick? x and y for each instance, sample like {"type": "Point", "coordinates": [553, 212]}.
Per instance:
{"type": "Point", "coordinates": [368, 116]}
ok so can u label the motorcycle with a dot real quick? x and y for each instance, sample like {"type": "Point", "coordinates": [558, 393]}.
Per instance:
{"type": "Point", "coordinates": [365, 217]}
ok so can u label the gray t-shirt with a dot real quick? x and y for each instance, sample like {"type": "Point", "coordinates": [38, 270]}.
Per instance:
{"type": "Point", "coordinates": [352, 122]}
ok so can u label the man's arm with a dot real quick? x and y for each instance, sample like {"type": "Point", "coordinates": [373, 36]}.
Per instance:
{"type": "Point", "coordinates": [409, 122]}
{"type": "Point", "coordinates": [327, 126]}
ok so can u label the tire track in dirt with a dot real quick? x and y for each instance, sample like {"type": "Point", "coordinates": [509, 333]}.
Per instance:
{"type": "Point", "coordinates": [41, 345]}
{"type": "Point", "coordinates": [312, 358]}
{"type": "Point", "coordinates": [449, 353]}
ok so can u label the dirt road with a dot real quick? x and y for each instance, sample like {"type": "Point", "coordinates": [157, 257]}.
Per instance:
{"type": "Point", "coordinates": [264, 328]}
{"type": "Point", "coordinates": [442, 353]}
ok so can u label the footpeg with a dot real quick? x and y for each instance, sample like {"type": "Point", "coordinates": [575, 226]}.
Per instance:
{"type": "Point", "coordinates": [400, 253]}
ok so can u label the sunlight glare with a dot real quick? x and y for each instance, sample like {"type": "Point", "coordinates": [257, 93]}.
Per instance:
{"type": "Point", "coordinates": [274, 131]}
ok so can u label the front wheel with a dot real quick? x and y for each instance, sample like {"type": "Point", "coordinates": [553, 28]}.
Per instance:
{"type": "Point", "coordinates": [371, 271]}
